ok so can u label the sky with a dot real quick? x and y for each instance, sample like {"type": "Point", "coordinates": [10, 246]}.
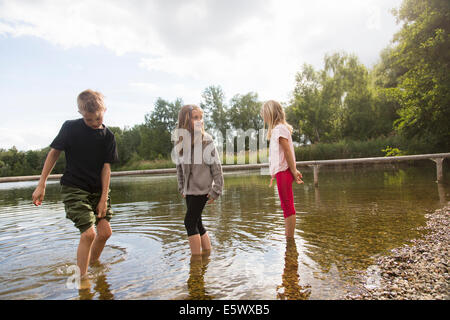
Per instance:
{"type": "Point", "coordinates": [136, 51]}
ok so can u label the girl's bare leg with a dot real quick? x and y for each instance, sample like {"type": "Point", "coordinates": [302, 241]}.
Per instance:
{"type": "Point", "coordinates": [195, 244]}
{"type": "Point", "coordinates": [290, 226]}
{"type": "Point", "coordinates": [205, 242]}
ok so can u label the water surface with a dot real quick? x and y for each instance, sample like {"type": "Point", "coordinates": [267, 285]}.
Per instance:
{"type": "Point", "coordinates": [354, 215]}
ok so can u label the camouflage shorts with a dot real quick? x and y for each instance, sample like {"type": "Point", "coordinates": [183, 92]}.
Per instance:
{"type": "Point", "coordinates": [81, 207]}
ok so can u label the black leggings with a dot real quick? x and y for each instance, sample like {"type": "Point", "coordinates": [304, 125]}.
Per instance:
{"type": "Point", "coordinates": [193, 219]}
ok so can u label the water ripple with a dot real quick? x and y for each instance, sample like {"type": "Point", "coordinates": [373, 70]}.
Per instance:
{"type": "Point", "coordinates": [341, 226]}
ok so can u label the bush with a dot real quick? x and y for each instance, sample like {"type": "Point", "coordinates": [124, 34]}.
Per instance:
{"type": "Point", "coordinates": [346, 149]}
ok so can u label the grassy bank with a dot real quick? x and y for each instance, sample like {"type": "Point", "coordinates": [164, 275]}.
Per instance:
{"type": "Point", "coordinates": [344, 149]}
{"type": "Point", "coordinates": [379, 147]}
{"type": "Point", "coordinates": [20, 163]}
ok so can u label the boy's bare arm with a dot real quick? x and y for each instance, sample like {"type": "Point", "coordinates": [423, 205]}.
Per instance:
{"type": "Point", "coordinates": [39, 192]}
{"type": "Point", "coordinates": [106, 179]}
{"type": "Point", "coordinates": [284, 143]}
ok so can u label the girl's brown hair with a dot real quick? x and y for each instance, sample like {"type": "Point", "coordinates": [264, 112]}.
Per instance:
{"type": "Point", "coordinates": [185, 122]}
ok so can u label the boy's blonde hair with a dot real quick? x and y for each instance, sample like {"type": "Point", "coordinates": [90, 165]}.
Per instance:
{"type": "Point", "coordinates": [90, 101]}
{"type": "Point", "coordinates": [273, 114]}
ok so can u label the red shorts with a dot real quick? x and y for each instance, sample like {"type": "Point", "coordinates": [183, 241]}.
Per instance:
{"type": "Point", "coordinates": [284, 186]}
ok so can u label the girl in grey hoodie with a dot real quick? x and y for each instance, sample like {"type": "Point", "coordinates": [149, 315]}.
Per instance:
{"type": "Point", "coordinates": [199, 172]}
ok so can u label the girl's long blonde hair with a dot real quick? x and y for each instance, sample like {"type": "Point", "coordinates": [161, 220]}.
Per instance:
{"type": "Point", "coordinates": [273, 114]}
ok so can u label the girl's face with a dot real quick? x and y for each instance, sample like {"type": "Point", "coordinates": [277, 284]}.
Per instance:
{"type": "Point", "coordinates": [197, 120]}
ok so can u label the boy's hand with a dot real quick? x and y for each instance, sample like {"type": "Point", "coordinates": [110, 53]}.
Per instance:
{"type": "Point", "coordinates": [38, 195]}
{"type": "Point", "coordinates": [211, 200]}
{"type": "Point", "coordinates": [298, 177]}
{"type": "Point", "coordinates": [101, 208]}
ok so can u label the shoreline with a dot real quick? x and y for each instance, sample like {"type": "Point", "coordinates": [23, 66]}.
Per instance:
{"type": "Point", "coordinates": [416, 271]}
{"type": "Point", "coordinates": [438, 158]}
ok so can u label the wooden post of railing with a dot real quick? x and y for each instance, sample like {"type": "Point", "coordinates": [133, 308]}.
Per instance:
{"type": "Point", "coordinates": [439, 172]}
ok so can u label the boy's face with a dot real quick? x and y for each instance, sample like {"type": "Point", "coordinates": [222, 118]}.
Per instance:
{"type": "Point", "coordinates": [93, 119]}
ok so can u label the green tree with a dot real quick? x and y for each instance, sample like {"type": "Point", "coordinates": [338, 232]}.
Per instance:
{"type": "Point", "coordinates": [157, 129]}
{"type": "Point", "coordinates": [346, 90]}
{"type": "Point", "coordinates": [216, 111]}
{"type": "Point", "coordinates": [383, 81]}
{"type": "Point", "coordinates": [422, 50]}
{"type": "Point", "coordinates": [32, 159]}
{"type": "Point", "coordinates": [308, 113]}
{"type": "Point", "coordinates": [332, 103]}
{"type": "Point", "coordinates": [128, 141]}
{"type": "Point", "coordinates": [245, 112]}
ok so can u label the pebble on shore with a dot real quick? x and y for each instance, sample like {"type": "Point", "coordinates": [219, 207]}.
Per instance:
{"type": "Point", "coordinates": [413, 272]}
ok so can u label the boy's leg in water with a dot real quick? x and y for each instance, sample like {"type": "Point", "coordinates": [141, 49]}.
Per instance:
{"type": "Point", "coordinates": [103, 233]}
{"type": "Point", "coordinates": [103, 227]}
{"type": "Point", "coordinates": [84, 250]}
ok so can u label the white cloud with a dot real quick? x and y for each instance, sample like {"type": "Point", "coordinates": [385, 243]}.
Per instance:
{"type": "Point", "coordinates": [374, 19]}
{"type": "Point", "coordinates": [27, 138]}
{"type": "Point", "coordinates": [189, 93]}
{"type": "Point", "coordinates": [252, 45]}
{"type": "Point", "coordinates": [172, 33]}
{"type": "Point", "coordinates": [80, 23]}
{"type": "Point", "coordinates": [147, 86]}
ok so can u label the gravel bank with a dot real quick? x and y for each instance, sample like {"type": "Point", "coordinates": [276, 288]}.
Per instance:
{"type": "Point", "coordinates": [418, 271]}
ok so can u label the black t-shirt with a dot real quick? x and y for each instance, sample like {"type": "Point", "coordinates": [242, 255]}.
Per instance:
{"type": "Point", "coordinates": [87, 150]}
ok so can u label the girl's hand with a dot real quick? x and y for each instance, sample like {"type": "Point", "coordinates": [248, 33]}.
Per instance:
{"type": "Point", "coordinates": [184, 196]}
{"type": "Point", "coordinates": [211, 200]}
{"type": "Point", "coordinates": [38, 195]}
{"type": "Point", "coordinates": [298, 177]}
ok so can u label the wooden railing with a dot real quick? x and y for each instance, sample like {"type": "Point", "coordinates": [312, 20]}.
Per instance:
{"type": "Point", "coordinates": [438, 158]}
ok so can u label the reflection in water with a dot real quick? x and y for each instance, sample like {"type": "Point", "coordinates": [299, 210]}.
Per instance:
{"type": "Point", "coordinates": [359, 218]}
{"type": "Point", "coordinates": [101, 286]}
{"type": "Point", "coordinates": [354, 215]}
{"type": "Point", "coordinates": [290, 288]}
{"type": "Point", "coordinates": [441, 192]}
{"type": "Point", "coordinates": [317, 196]}
{"type": "Point", "coordinates": [196, 281]}
{"type": "Point", "coordinates": [85, 291]}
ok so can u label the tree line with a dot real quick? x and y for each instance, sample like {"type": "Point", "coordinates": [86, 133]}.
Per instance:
{"type": "Point", "coordinates": [406, 95]}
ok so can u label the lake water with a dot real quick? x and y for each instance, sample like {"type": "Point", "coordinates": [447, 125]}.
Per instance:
{"type": "Point", "coordinates": [354, 215]}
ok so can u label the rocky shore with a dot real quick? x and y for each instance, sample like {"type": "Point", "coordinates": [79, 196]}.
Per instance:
{"type": "Point", "coordinates": [418, 271]}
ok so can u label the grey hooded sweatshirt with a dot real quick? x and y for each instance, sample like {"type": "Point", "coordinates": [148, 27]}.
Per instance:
{"type": "Point", "coordinates": [201, 178]}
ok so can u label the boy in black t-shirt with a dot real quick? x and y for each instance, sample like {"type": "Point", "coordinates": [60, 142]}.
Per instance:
{"type": "Point", "coordinates": [90, 148]}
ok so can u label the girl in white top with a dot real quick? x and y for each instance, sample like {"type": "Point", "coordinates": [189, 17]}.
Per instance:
{"type": "Point", "coordinates": [282, 160]}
